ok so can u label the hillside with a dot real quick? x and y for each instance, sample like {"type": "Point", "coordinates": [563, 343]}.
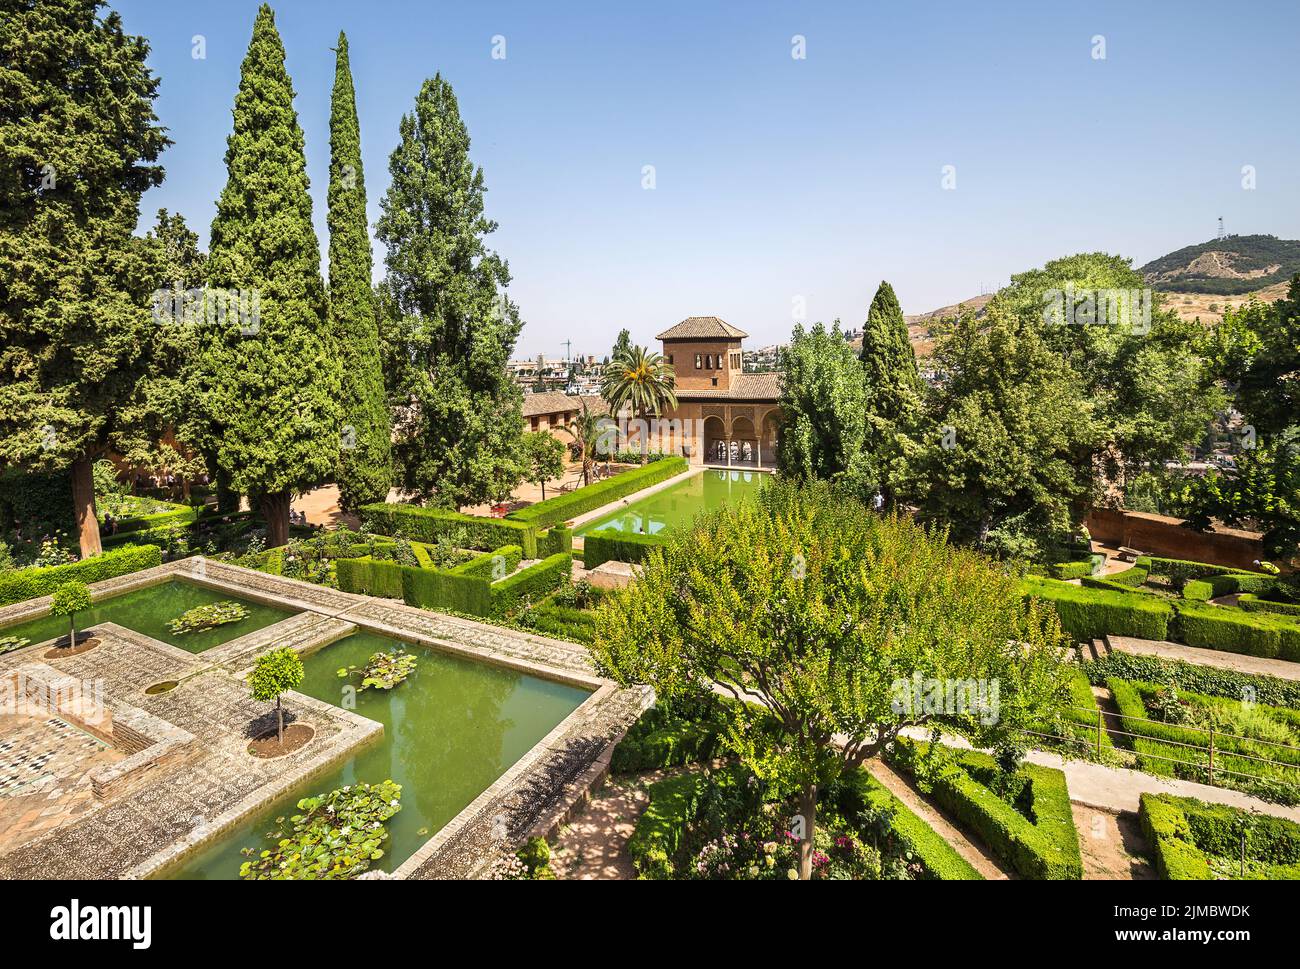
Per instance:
{"type": "Point", "coordinates": [1232, 266]}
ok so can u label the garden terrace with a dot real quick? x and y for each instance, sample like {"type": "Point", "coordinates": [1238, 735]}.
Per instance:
{"type": "Point", "coordinates": [178, 808]}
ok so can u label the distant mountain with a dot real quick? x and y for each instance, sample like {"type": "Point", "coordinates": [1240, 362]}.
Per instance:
{"type": "Point", "coordinates": [1225, 267]}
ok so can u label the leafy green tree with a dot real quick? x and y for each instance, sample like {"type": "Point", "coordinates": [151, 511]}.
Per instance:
{"type": "Point", "coordinates": [78, 138]}
{"type": "Point", "coordinates": [1262, 491]}
{"type": "Point", "coordinates": [543, 459]}
{"type": "Point", "coordinates": [365, 471]}
{"type": "Point", "coordinates": [1151, 390]}
{"type": "Point", "coordinates": [894, 392]}
{"type": "Point", "coordinates": [644, 381]}
{"type": "Point", "coordinates": [164, 394]}
{"type": "Point", "coordinates": [447, 327]}
{"type": "Point", "coordinates": [1257, 349]}
{"type": "Point", "coordinates": [69, 599]}
{"type": "Point", "coordinates": [825, 621]}
{"type": "Point", "coordinates": [1004, 444]}
{"type": "Point", "coordinates": [273, 674]}
{"type": "Point", "coordinates": [823, 407]}
{"type": "Point", "coordinates": [271, 384]}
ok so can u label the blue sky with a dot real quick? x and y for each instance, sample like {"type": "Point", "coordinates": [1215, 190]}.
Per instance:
{"type": "Point", "coordinates": [779, 179]}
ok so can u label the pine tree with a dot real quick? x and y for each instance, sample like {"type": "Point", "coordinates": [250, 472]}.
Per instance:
{"type": "Point", "coordinates": [365, 463]}
{"type": "Point", "coordinates": [78, 136]}
{"type": "Point", "coordinates": [452, 330]}
{"type": "Point", "coordinates": [271, 381]}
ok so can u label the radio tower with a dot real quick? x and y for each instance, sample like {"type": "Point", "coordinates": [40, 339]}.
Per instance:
{"type": "Point", "coordinates": [1222, 235]}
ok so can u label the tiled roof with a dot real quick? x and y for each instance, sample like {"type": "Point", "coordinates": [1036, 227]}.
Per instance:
{"type": "Point", "coordinates": [554, 402]}
{"type": "Point", "coordinates": [702, 328]}
{"type": "Point", "coordinates": [746, 386]}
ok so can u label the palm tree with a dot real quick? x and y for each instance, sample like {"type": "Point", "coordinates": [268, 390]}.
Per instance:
{"type": "Point", "coordinates": [642, 379]}
{"type": "Point", "coordinates": [586, 430]}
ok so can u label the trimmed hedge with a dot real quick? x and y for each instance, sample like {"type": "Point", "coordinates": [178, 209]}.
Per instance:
{"type": "Point", "coordinates": [1078, 568]}
{"type": "Point", "coordinates": [609, 544]}
{"type": "Point", "coordinates": [1236, 631]}
{"type": "Point", "coordinates": [428, 524]}
{"type": "Point", "coordinates": [561, 508]}
{"type": "Point", "coordinates": [1045, 848]}
{"type": "Point", "coordinates": [18, 585]}
{"type": "Point", "coordinates": [1252, 603]}
{"type": "Point", "coordinates": [483, 566]}
{"type": "Point", "coordinates": [1134, 576]}
{"type": "Point", "coordinates": [1180, 571]}
{"type": "Point", "coordinates": [178, 515]}
{"type": "Point", "coordinates": [532, 582]}
{"type": "Point", "coordinates": [1173, 750]}
{"type": "Point", "coordinates": [1088, 614]}
{"type": "Point", "coordinates": [1182, 831]}
{"type": "Point", "coordinates": [1198, 590]}
{"type": "Point", "coordinates": [1209, 680]}
{"type": "Point", "coordinates": [371, 576]}
{"type": "Point", "coordinates": [457, 592]}
{"type": "Point", "coordinates": [858, 793]}
{"type": "Point", "coordinates": [556, 540]}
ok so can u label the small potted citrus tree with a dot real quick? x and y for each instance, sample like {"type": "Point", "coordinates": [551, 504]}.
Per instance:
{"type": "Point", "coordinates": [69, 599]}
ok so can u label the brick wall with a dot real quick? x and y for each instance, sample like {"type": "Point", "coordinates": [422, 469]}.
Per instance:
{"type": "Point", "coordinates": [1166, 537]}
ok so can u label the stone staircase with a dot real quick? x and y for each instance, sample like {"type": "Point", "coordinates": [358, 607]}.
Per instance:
{"type": "Point", "coordinates": [1097, 649]}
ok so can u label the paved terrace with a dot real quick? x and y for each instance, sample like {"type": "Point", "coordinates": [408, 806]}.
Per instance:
{"type": "Point", "coordinates": [179, 806]}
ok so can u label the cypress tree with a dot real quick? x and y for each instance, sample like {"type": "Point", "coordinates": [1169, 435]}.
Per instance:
{"type": "Point", "coordinates": [78, 135]}
{"type": "Point", "coordinates": [271, 381]}
{"type": "Point", "coordinates": [365, 464]}
{"type": "Point", "coordinates": [894, 389]}
{"type": "Point", "coordinates": [452, 330]}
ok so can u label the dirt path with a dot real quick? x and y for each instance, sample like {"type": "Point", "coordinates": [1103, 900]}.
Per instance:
{"type": "Point", "coordinates": [980, 859]}
{"type": "Point", "coordinates": [593, 845]}
{"type": "Point", "coordinates": [1112, 845]}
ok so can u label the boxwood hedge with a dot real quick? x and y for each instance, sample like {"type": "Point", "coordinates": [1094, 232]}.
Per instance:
{"type": "Point", "coordinates": [571, 504]}
{"type": "Point", "coordinates": [612, 545]}
{"type": "Point", "coordinates": [18, 585]}
{"type": "Point", "coordinates": [1088, 614]}
{"type": "Point", "coordinates": [1046, 847]}
{"type": "Point", "coordinates": [1183, 832]}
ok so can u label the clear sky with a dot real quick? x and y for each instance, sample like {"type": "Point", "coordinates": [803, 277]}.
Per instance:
{"type": "Point", "coordinates": [780, 179]}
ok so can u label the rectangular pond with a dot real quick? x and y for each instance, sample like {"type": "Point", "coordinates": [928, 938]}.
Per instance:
{"type": "Point", "coordinates": [450, 730]}
{"type": "Point", "coordinates": [678, 505]}
{"type": "Point", "coordinates": [148, 610]}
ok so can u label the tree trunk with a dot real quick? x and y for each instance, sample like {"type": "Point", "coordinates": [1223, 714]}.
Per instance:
{"type": "Point", "coordinates": [83, 501]}
{"type": "Point", "coordinates": [644, 431]}
{"type": "Point", "coordinates": [543, 489]}
{"type": "Point", "coordinates": [279, 721]}
{"type": "Point", "coordinates": [275, 509]}
{"type": "Point", "coordinates": [808, 808]}
{"type": "Point", "coordinates": [72, 632]}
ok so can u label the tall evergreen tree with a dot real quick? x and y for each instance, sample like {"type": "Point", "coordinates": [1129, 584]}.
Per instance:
{"type": "Point", "coordinates": [823, 396]}
{"type": "Point", "coordinates": [450, 330]}
{"type": "Point", "coordinates": [365, 463]}
{"type": "Point", "coordinates": [271, 381]}
{"type": "Point", "coordinates": [78, 137]}
{"type": "Point", "coordinates": [894, 390]}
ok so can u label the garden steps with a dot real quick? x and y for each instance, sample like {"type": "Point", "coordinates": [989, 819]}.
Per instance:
{"type": "Point", "coordinates": [982, 861]}
{"type": "Point", "coordinates": [1284, 669]}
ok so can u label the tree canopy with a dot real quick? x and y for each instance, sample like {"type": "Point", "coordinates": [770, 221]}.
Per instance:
{"type": "Point", "coordinates": [79, 146]}
{"type": "Point", "coordinates": [270, 389]}
{"type": "Point", "coordinates": [447, 327]}
{"type": "Point", "coordinates": [819, 617]}
{"type": "Point", "coordinates": [365, 463]}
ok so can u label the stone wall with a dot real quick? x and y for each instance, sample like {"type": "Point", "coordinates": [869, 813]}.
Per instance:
{"type": "Point", "coordinates": [1166, 537]}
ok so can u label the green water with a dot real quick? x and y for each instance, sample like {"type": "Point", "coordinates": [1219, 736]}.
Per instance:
{"type": "Point", "coordinates": [450, 730]}
{"type": "Point", "coordinates": [148, 611]}
{"type": "Point", "coordinates": [678, 505]}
